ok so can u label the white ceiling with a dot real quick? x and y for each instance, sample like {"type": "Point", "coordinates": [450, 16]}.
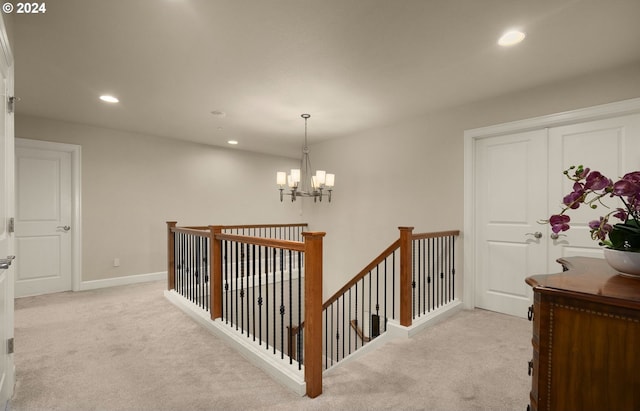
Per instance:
{"type": "Point", "coordinates": [352, 64]}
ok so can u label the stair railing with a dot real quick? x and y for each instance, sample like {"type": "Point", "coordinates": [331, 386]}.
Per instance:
{"type": "Point", "coordinates": [189, 263]}
{"type": "Point", "coordinates": [410, 278]}
{"type": "Point", "coordinates": [240, 258]}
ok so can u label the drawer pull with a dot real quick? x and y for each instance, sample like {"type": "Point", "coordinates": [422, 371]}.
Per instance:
{"type": "Point", "coordinates": [530, 367]}
{"type": "Point", "coordinates": [530, 313]}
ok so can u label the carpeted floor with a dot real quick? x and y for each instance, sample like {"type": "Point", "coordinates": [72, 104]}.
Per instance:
{"type": "Point", "coordinates": [127, 348]}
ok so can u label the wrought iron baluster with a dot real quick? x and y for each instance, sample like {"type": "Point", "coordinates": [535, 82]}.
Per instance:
{"type": "Point", "coordinates": [205, 269]}
{"type": "Point", "coordinates": [290, 299]}
{"type": "Point", "coordinates": [268, 265]}
{"type": "Point", "coordinates": [244, 290]}
{"type": "Point", "coordinates": [245, 287]}
{"type": "Point", "coordinates": [282, 307]}
{"type": "Point", "coordinates": [197, 270]}
{"type": "Point", "coordinates": [369, 319]}
{"type": "Point", "coordinates": [385, 293]}
{"type": "Point", "coordinates": [236, 274]}
{"type": "Point", "coordinates": [260, 273]}
{"type": "Point", "coordinates": [178, 263]}
{"type": "Point", "coordinates": [275, 255]}
{"type": "Point", "coordinates": [431, 274]}
{"type": "Point", "coordinates": [436, 273]}
{"type": "Point", "coordinates": [187, 266]}
{"type": "Point", "coordinates": [361, 323]}
{"type": "Point", "coordinates": [337, 303]}
{"type": "Point", "coordinates": [326, 339]}
{"type": "Point", "coordinates": [343, 334]}
{"type": "Point", "coordinates": [375, 331]}
{"type": "Point", "coordinates": [349, 324]}
{"type": "Point", "coordinates": [414, 244]}
{"type": "Point", "coordinates": [225, 261]}
{"type": "Point", "coordinates": [356, 314]}
{"type": "Point", "coordinates": [453, 268]}
{"type": "Point", "coordinates": [191, 268]}
{"type": "Point", "coordinates": [424, 263]}
{"type": "Point", "coordinates": [299, 337]}
{"type": "Point", "coordinates": [331, 342]}
{"type": "Point", "coordinates": [441, 271]}
{"type": "Point", "coordinates": [393, 285]}
{"type": "Point", "coordinates": [253, 287]}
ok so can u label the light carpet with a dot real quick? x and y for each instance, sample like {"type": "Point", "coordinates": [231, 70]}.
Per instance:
{"type": "Point", "coordinates": [128, 348]}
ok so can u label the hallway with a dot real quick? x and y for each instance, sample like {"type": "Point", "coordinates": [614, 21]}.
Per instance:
{"type": "Point", "coordinates": [127, 348]}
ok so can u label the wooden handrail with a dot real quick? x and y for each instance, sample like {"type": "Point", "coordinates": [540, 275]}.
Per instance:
{"type": "Point", "coordinates": [269, 242]}
{"type": "Point", "coordinates": [386, 253]}
{"type": "Point", "coordinates": [228, 227]}
{"type": "Point", "coordinates": [200, 232]}
{"type": "Point", "coordinates": [422, 236]}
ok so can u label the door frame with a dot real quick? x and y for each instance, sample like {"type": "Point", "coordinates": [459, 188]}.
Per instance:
{"type": "Point", "coordinates": [76, 199]}
{"type": "Point", "coordinates": [471, 136]}
{"type": "Point", "coordinates": [8, 71]}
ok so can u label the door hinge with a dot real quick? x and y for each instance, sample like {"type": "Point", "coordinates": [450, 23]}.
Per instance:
{"type": "Point", "coordinates": [11, 225]}
{"type": "Point", "coordinates": [11, 103]}
{"type": "Point", "coordinates": [10, 346]}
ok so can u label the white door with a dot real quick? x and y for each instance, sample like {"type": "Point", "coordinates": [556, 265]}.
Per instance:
{"type": "Point", "coordinates": [7, 371]}
{"type": "Point", "coordinates": [611, 146]}
{"type": "Point", "coordinates": [43, 220]}
{"type": "Point", "coordinates": [510, 242]}
{"type": "Point", "coordinates": [519, 181]}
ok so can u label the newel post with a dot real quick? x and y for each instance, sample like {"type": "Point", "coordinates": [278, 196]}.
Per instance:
{"type": "Point", "coordinates": [313, 312]}
{"type": "Point", "coordinates": [215, 262]}
{"type": "Point", "coordinates": [171, 259]}
{"type": "Point", "coordinates": [406, 269]}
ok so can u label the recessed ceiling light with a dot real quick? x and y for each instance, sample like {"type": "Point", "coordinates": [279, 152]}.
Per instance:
{"type": "Point", "coordinates": [511, 38]}
{"type": "Point", "coordinates": [232, 142]}
{"type": "Point", "coordinates": [109, 99]}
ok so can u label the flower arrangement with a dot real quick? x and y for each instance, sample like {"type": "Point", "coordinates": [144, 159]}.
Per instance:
{"type": "Point", "coordinates": [589, 188]}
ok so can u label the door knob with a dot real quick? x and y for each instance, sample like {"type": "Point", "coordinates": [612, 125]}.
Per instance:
{"type": "Point", "coordinates": [537, 234]}
{"type": "Point", "coordinates": [64, 227]}
{"type": "Point", "coordinates": [6, 262]}
{"type": "Point", "coordinates": [555, 236]}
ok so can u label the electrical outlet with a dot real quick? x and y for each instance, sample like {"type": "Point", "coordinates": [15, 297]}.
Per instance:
{"type": "Point", "coordinates": [116, 262]}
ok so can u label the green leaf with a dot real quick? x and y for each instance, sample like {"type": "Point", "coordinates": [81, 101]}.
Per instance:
{"type": "Point", "coordinates": [627, 233]}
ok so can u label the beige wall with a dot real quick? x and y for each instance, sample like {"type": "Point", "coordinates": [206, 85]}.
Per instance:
{"type": "Point", "coordinates": [132, 184]}
{"type": "Point", "coordinates": [411, 173]}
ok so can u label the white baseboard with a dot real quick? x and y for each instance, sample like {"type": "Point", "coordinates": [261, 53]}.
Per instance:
{"type": "Point", "coordinates": [434, 317]}
{"type": "Point", "coordinates": [126, 280]}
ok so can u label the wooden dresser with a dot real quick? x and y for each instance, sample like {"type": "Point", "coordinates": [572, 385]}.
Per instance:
{"type": "Point", "coordinates": [586, 338]}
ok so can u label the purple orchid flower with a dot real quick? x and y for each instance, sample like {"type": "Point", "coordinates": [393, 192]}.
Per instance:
{"type": "Point", "coordinates": [559, 222]}
{"type": "Point", "coordinates": [596, 181]}
{"type": "Point", "coordinates": [600, 228]}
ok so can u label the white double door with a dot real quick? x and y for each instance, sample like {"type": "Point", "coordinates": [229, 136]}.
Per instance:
{"type": "Point", "coordinates": [518, 182]}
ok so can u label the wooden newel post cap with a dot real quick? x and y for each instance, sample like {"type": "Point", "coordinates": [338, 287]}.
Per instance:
{"type": "Point", "coordinates": [313, 234]}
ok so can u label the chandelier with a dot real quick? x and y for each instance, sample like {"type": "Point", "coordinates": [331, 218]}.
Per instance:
{"type": "Point", "coordinates": [301, 183]}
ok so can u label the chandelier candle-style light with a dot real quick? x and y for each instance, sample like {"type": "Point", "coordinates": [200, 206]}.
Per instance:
{"type": "Point", "coordinates": [301, 182]}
